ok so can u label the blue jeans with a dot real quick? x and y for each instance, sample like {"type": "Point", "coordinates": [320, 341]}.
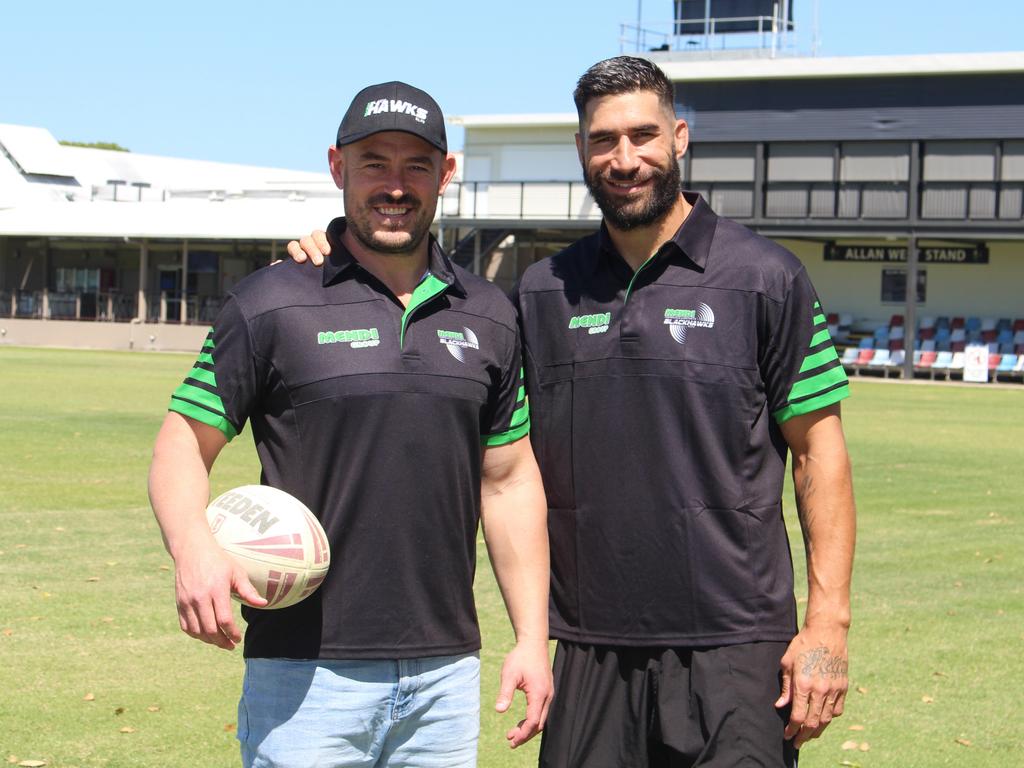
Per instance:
{"type": "Point", "coordinates": [405, 713]}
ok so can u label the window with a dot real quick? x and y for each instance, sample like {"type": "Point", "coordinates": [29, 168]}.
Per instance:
{"type": "Point", "coordinates": [894, 286]}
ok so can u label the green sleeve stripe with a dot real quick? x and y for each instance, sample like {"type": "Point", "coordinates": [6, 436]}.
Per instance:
{"type": "Point", "coordinates": [521, 395]}
{"type": "Point", "coordinates": [520, 415]}
{"type": "Point", "coordinates": [818, 383]}
{"type": "Point", "coordinates": [208, 344]}
{"type": "Point", "coordinates": [818, 319]}
{"type": "Point", "coordinates": [204, 416]}
{"type": "Point", "coordinates": [186, 391]}
{"type": "Point", "coordinates": [814, 404]}
{"type": "Point", "coordinates": [205, 357]}
{"type": "Point", "coordinates": [817, 305]}
{"type": "Point", "coordinates": [509, 436]}
{"type": "Point", "coordinates": [204, 375]}
{"type": "Point", "coordinates": [819, 359]}
{"type": "Point", "coordinates": [820, 338]}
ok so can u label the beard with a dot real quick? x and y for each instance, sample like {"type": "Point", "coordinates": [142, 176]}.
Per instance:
{"type": "Point", "coordinates": [650, 206]}
{"type": "Point", "coordinates": [397, 241]}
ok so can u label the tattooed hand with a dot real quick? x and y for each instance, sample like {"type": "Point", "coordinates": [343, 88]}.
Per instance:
{"type": "Point", "coordinates": [814, 682]}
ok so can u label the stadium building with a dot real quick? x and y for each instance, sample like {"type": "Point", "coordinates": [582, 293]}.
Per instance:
{"type": "Point", "coordinates": [877, 172]}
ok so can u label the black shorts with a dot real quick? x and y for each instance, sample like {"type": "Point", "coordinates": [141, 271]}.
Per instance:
{"type": "Point", "coordinates": [620, 707]}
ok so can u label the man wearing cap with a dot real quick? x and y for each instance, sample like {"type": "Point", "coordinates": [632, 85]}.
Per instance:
{"type": "Point", "coordinates": [386, 393]}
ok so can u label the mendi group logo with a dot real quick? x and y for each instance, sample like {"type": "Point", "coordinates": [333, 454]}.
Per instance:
{"type": "Point", "coordinates": [680, 320]}
{"type": "Point", "coordinates": [456, 342]}
{"type": "Point", "coordinates": [596, 323]}
{"type": "Point", "coordinates": [356, 338]}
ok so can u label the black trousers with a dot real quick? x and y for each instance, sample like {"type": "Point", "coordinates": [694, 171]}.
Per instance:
{"type": "Point", "coordinates": [621, 707]}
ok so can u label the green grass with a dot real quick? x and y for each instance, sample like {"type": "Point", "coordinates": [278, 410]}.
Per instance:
{"type": "Point", "coordinates": [88, 601]}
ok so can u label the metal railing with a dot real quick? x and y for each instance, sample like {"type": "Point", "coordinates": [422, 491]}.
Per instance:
{"type": "Point", "coordinates": [107, 306]}
{"type": "Point", "coordinates": [825, 200]}
{"type": "Point", "coordinates": [681, 35]}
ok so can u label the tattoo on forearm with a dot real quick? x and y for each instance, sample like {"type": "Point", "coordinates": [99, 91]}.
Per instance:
{"type": "Point", "coordinates": [818, 661]}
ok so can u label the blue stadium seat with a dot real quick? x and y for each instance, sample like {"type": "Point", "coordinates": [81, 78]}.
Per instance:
{"type": "Point", "coordinates": [1006, 363]}
{"type": "Point", "coordinates": [942, 362]}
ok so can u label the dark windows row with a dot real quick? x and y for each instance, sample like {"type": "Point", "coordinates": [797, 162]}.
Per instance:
{"type": "Point", "coordinates": [862, 180]}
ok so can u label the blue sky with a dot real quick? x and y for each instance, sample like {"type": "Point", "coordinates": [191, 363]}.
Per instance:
{"type": "Point", "coordinates": [265, 83]}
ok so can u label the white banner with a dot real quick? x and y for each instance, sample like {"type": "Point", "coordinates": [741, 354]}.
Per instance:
{"type": "Point", "coordinates": [976, 363]}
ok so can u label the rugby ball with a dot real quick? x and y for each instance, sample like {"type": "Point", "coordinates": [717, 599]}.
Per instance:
{"type": "Point", "coordinates": [275, 537]}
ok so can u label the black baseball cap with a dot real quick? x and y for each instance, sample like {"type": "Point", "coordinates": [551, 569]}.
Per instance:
{"type": "Point", "coordinates": [393, 106]}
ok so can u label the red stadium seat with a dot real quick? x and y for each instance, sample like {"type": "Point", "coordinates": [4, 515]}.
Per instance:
{"type": "Point", "coordinates": [927, 358]}
{"type": "Point", "coordinates": [993, 362]}
{"type": "Point", "coordinates": [895, 320]}
{"type": "Point", "coordinates": [957, 322]}
{"type": "Point", "coordinates": [926, 333]}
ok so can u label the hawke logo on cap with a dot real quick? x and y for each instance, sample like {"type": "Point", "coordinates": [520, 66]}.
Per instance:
{"type": "Point", "coordinates": [393, 106]}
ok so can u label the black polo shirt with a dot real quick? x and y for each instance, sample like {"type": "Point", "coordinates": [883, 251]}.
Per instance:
{"type": "Point", "coordinates": [657, 399]}
{"type": "Point", "coordinates": [375, 416]}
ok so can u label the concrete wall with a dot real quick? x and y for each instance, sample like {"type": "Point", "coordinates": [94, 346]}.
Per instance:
{"type": "Point", "coordinates": [521, 154]}
{"type": "Point", "coordinates": [117, 336]}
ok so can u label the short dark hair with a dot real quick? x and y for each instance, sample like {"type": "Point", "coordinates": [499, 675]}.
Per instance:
{"type": "Point", "coordinates": [622, 74]}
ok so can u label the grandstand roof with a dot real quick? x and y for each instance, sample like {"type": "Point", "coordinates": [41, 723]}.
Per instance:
{"type": "Point", "coordinates": [840, 66]}
{"type": "Point", "coordinates": [701, 69]}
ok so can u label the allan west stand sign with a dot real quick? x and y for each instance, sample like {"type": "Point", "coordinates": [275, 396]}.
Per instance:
{"type": "Point", "coordinates": [947, 254]}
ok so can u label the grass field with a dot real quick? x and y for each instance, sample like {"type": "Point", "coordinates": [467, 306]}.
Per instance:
{"type": "Point", "coordinates": [94, 671]}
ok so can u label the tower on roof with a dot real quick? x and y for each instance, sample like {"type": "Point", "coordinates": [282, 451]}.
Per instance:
{"type": "Point", "coordinates": [715, 29]}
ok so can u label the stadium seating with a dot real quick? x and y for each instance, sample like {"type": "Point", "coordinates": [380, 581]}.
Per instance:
{"type": "Point", "coordinates": [924, 360]}
{"type": "Point", "coordinates": [896, 360]}
{"type": "Point", "coordinates": [1008, 368]}
{"type": "Point", "coordinates": [942, 363]}
{"type": "Point", "coordinates": [956, 366]}
{"type": "Point", "coordinates": [864, 355]}
{"type": "Point", "coordinates": [849, 359]}
{"type": "Point", "coordinates": [939, 346]}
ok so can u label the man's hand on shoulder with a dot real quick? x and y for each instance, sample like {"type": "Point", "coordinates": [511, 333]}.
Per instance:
{"type": "Point", "coordinates": [526, 668]}
{"type": "Point", "coordinates": [313, 247]}
{"type": "Point", "coordinates": [814, 681]}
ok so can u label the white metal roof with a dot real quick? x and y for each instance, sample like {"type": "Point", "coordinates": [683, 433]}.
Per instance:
{"type": "Point", "coordinates": [60, 191]}
{"type": "Point", "coordinates": [33, 149]}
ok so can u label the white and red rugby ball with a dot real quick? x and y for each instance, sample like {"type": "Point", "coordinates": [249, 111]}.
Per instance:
{"type": "Point", "coordinates": [275, 537]}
